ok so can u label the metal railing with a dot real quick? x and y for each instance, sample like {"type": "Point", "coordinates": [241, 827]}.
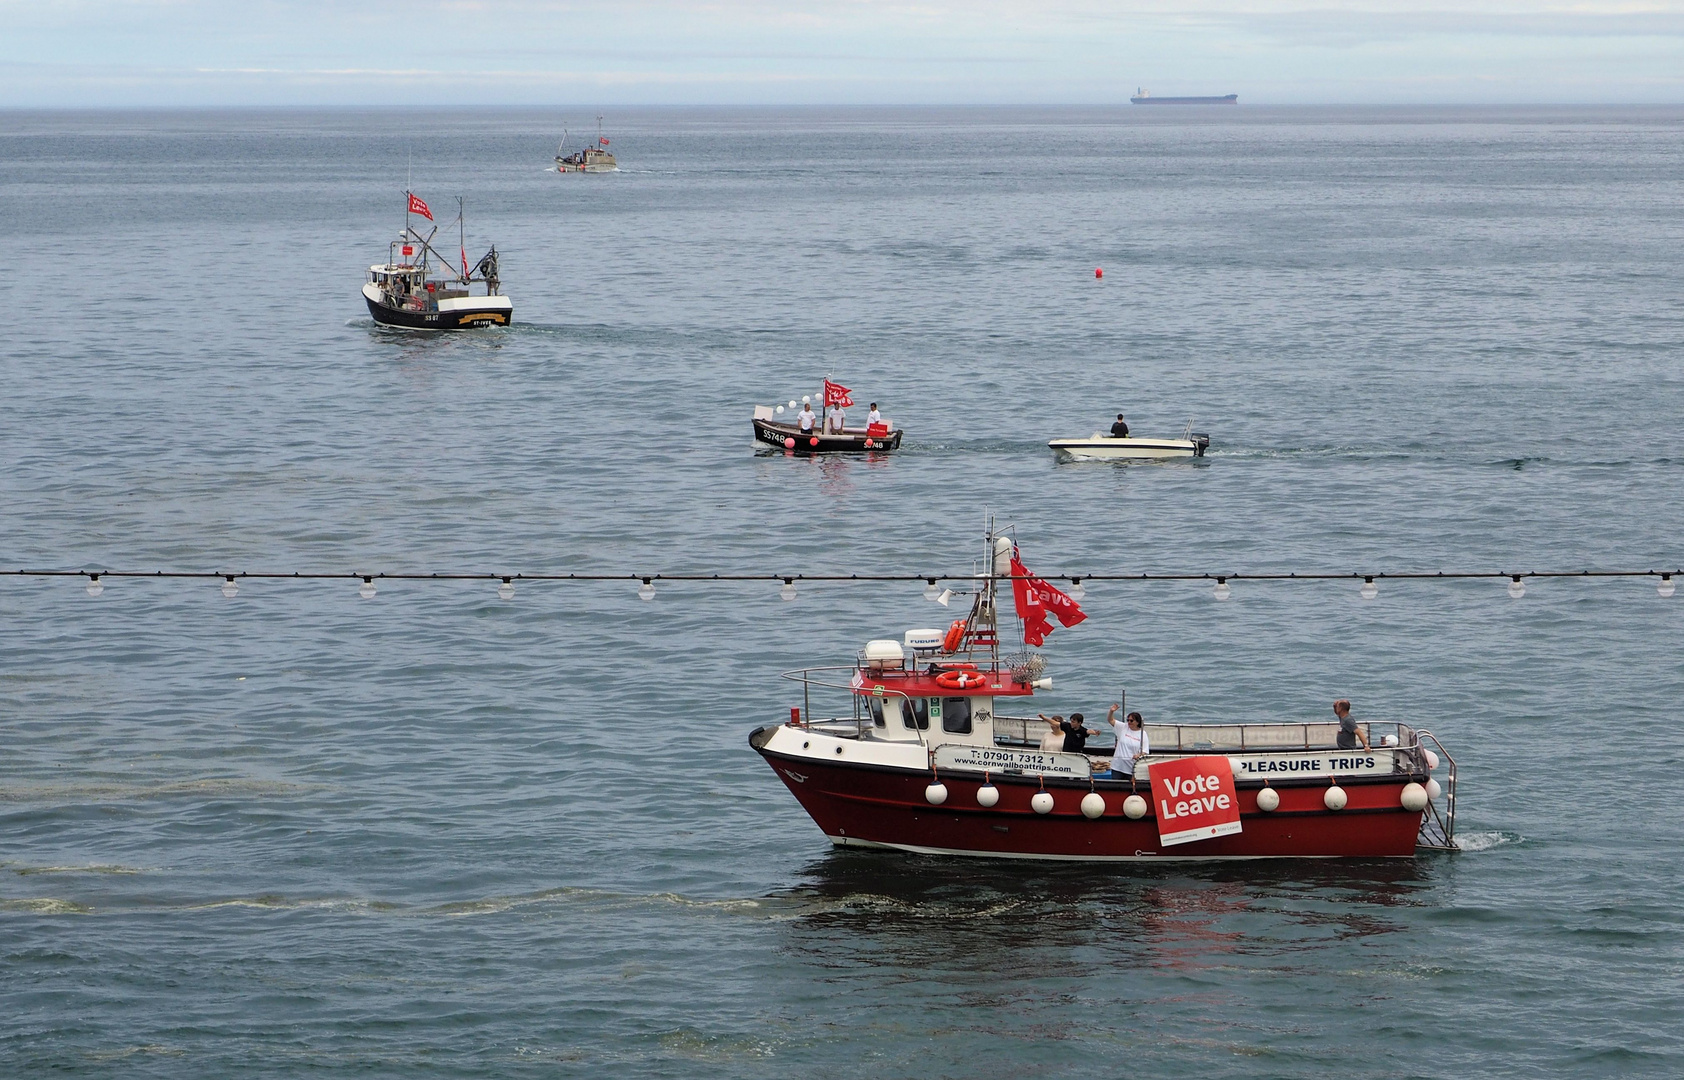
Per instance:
{"type": "Point", "coordinates": [1438, 828]}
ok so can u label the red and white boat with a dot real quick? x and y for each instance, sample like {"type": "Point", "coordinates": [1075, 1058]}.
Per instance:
{"type": "Point", "coordinates": [941, 755]}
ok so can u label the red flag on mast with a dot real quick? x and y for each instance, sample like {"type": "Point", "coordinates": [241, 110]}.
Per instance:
{"type": "Point", "coordinates": [416, 206]}
{"type": "Point", "coordinates": [1035, 598]}
{"type": "Point", "coordinates": [837, 394]}
{"type": "Point", "coordinates": [602, 141]}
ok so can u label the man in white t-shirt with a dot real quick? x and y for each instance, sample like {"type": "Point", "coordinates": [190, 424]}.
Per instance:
{"type": "Point", "coordinates": [835, 419]}
{"type": "Point", "coordinates": [806, 418]}
{"type": "Point", "coordinates": [873, 417]}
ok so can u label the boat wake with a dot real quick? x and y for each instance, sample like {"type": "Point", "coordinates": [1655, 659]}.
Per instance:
{"type": "Point", "coordinates": [1485, 841]}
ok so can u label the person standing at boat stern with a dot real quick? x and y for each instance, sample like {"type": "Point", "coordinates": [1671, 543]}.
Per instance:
{"type": "Point", "coordinates": [1349, 733]}
{"type": "Point", "coordinates": [873, 417]}
{"type": "Point", "coordinates": [1132, 744]}
{"type": "Point", "coordinates": [1120, 430]}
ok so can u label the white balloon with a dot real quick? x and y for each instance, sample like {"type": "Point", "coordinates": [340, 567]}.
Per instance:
{"type": "Point", "coordinates": [987, 795]}
{"type": "Point", "coordinates": [1042, 803]}
{"type": "Point", "coordinates": [1413, 797]}
{"type": "Point", "coordinates": [1134, 808]}
{"type": "Point", "coordinates": [1093, 804]}
{"type": "Point", "coordinates": [936, 794]}
{"type": "Point", "coordinates": [1268, 799]}
{"type": "Point", "coordinates": [1334, 798]}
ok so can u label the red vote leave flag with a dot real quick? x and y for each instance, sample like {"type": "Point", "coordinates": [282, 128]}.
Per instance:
{"type": "Point", "coordinates": [602, 141]}
{"type": "Point", "coordinates": [416, 206]}
{"type": "Point", "coordinates": [1193, 799]}
{"type": "Point", "coordinates": [837, 394]}
{"type": "Point", "coordinates": [1035, 599]}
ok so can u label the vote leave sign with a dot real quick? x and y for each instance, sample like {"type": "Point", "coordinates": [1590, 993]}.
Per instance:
{"type": "Point", "coordinates": [1194, 799]}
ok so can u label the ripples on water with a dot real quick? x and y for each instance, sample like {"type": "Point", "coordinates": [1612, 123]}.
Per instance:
{"type": "Point", "coordinates": [441, 834]}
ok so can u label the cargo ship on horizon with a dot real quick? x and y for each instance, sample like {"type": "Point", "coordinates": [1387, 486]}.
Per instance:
{"type": "Point", "coordinates": [1142, 96]}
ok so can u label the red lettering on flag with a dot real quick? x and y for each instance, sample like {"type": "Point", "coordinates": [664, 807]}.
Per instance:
{"type": "Point", "coordinates": [1035, 599]}
{"type": "Point", "coordinates": [416, 206]}
{"type": "Point", "coordinates": [837, 394]}
{"type": "Point", "coordinates": [1193, 799]}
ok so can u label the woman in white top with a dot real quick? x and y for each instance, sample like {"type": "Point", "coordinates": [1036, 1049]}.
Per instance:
{"type": "Point", "coordinates": [1132, 744]}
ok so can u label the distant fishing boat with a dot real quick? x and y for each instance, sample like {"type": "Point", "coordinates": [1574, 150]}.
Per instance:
{"type": "Point", "coordinates": [405, 291]}
{"type": "Point", "coordinates": [589, 159]}
{"type": "Point", "coordinates": [1142, 96]}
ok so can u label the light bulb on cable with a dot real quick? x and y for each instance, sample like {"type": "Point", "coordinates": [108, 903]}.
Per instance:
{"type": "Point", "coordinates": [793, 403]}
{"type": "Point", "coordinates": [94, 587]}
{"type": "Point", "coordinates": [930, 590]}
{"type": "Point", "coordinates": [1665, 588]}
{"type": "Point", "coordinates": [779, 410]}
{"type": "Point", "coordinates": [1222, 591]}
{"type": "Point", "coordinates": [506, 591]}
{"type": "Point", "coordinates": [1076, 591]}
{"type": "Point", "coordinates": [788, 591]}
{"type": "Point", "coordinates": [1517, 588]}
{"type": "Point", "coordinates": [366, 591]}
{"type": "Point", "coordinates": [229, 588]}
{"type": "Point", "coordinates": [646, 591]}
{"type": "Point", "coordinates": [1369, 590]}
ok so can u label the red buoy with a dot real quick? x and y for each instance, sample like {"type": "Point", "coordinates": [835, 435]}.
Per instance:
{"type": "Point", "coordinates": [868, 444]}
{"type": "Point", "coordinates": [814, 441]}
{"type": "Point", "coordinates": [1099, 271]}
{"type": "Point", "coordinates": [789, 443]}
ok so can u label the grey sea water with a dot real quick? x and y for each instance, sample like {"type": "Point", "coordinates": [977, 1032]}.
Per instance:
{"type": "Point", "coordinates": [439, 834]}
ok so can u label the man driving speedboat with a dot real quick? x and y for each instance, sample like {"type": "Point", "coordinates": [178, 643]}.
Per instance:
{"type": "Point", "coordinates": [1119, 430]}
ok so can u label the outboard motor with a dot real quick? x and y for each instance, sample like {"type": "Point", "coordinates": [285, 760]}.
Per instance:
{"type": "Point", "coordinates": [1201, 443]}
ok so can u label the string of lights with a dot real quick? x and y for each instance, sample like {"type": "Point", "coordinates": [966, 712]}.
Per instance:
{"type": "Point", "coordinates": [933, 583]}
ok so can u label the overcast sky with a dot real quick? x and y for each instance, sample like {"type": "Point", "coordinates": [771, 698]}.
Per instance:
{"type": "Point", "coordinates": [544, 52]}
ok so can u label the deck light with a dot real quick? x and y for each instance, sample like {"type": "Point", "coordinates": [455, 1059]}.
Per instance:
{"type": "Point", "coordinates": [646, 591]}
{"type": "Point", "coordinates": [1517, 588]}
{"type": "Point", "coordinates": [930, 590]}
{"type": "Point", "coordinates": [1222, 591]}
{"type": "Point", "coordinates": [229, 589]}
{"type": "Point", "coordinates": [1665, 588]}
{"type": "Point", "coordinates": [367, 590]}
{"type": "Point", "coordinates": [506, 591]}
{"type": "Point", "coordinates": [788, 591]}
{"type": "Point", "coordinates": [94, 587]}
{"type": "Point", "coordinates": [1076, 590]}
{"type": "Point", "coordinates": [1369, 589]}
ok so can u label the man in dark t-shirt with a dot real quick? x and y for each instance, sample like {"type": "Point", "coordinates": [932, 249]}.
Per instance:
{"type": "Point", "coordinates": [1119, 430]}
{"type": "Point", "coordinates": [1075, 732]}
{"type": "Point", "coordinates": [1349, 733]}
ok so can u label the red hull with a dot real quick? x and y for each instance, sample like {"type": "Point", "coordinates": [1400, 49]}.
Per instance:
{"type": "Point", "coordinates": [887, 807]}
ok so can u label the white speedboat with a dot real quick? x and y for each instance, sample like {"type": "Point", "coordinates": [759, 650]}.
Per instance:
{"type": "Point", "coordinates": [1102, 447]}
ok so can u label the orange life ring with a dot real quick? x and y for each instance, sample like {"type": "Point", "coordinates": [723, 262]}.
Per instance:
{"type": "Point", "coordinates": [960, 680]}
{"type": "Point", "coordinates": [955, 634]}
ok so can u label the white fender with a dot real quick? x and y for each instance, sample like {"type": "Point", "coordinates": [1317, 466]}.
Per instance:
{"type": "Point", "coordinates": [987, 795]}
{"type": "Point", "coordinates": [936, 793]}
{"type": "Point", "coordinates": [1093, 804]}
{"type": "Point", "coordinates": [1268, 799]}
{"type": "Point", "coordinates": [1042, 803]}
{"type": "Point", "coordinates": [1413, 797]}
{"type": "Point", "coordinates": [1134, 808]}
{"type": "Point", "coordinates": [1334, 798]}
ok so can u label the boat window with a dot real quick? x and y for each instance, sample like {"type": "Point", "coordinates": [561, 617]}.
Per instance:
{"type": "Point", "coordinates": [915, 713]}
{"type": "Point", "coordinates": [956, 715]}
{"type": "Point", "coordinates": [876, 704]}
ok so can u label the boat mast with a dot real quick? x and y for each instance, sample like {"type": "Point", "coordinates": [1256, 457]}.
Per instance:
{"type": "Point", "coordinates": [462, 236]}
